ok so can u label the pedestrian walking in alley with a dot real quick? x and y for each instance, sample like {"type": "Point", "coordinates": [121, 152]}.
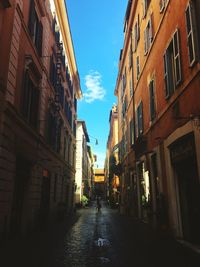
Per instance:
{"type": "Point", "coordinates": [98, 204]}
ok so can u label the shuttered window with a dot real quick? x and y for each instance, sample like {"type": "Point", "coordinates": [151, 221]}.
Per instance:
{"type": "Point", "coordinates": [30, 101]}
{"type": "Point", "coordinates": [145, 6]}
{"type": "Point", "coordinates": [191, 33]}
{"type": "Point", "coordinates": [172, 66]}
{"type": "Point", "coordinates": [53, 74]}
{"type": "Point", "coordinates": [137, 67]}
{"type": "Point", "coordinates": [162, 5]}
{"type": "Point", "coordinates": [177, 61]}
{"type": "Point", "coordinates": [132, 133]}
{"type": "Point", "coordinates": [131, 88]}
{"type": "Point", "coordinates": [35, 28]}
{"type": "Point", "coordinates": [136, 34]}
{"type": "Point", "coordinates": [152, 100]}
{"type": "Point", "coordinates": [148, 36]}
{"type": "Point", "coordinates": [140, 119]}
{"type": "Point", "coordinates": [130, 58]}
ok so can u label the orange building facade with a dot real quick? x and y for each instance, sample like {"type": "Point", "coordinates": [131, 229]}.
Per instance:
{"type": "Point", "coordinates": [39, 89]}
{"type": "Point", "coordinates": [159, 115]}
{"type": "Point", "coordinates": [112, 159]}
{"type": "Point", "coordinates": [99, 184]}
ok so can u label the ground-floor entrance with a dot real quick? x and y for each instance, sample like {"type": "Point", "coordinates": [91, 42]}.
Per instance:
{"type": "Point", "coordinates": [188, 186]}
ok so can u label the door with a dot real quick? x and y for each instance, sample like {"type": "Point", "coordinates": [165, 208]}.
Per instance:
{"type": "Point", "coordinates": [19, 195]}
{"type": "Point", "coordinates": [45, 201]}
{"type": "Point", "coordinates": [189, 195]}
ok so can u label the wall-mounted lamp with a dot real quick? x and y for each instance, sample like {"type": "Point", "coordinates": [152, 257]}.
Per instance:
{"type": "Point", "coordinates": [96, 140]}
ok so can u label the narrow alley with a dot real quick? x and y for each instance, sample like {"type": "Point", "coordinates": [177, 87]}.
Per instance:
{"type": "Point", "coordinates": [99, 106]}
{"type": "Point", "coordinates": [104, 238]}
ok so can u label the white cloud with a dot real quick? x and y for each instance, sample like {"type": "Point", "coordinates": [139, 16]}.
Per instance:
{"type": "Point", "coordinates": [94, 89]}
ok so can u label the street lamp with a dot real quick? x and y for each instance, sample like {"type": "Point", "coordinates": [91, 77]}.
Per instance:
{"type": "Point", "coordinates": [96, 140]}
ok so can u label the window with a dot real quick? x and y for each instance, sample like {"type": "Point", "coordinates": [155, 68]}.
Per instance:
{"type": "Point", "coordinates": [131, 88]}
{"type": "Point", "coordinates": [137, 67]}
{"type": "Point", "coordinates": [136, 34]}
{"type": "Point", "coordinates": [58, 136]}
{"type": "Point", "coordinates": [191, 33]}
{"type": "Point", "coordinates": [30, 102]}
{"type": "Point", "coordinates": [172, 66]}
{"type": "Point", "coordinates": [126, 142]}
{"type": "Point", "coordinates": [124, 107]}
{"type": "Point", "coordinates": [123, 84]}
{"type": "Point", "coordinates": [132, 133]}
{"type": "Point", "coordinates": [152, 100]}
{"type": "Point", "coordinates": [124, 79]}
{"type": "Point", "coordinates": [35, 28]}
{"type": "Point", "coordinates": [148, 36]}
{"type": "Point", "coordinates": [139, 119]}
{"type": "Point", "coordinates": [53, 74]}
{"type": "Point", "coordinates": [162, 5]}
{"type": "Point", "coordinates": [60, 91]}
{"type": "Point", "coordinates": [5, 4]}
{"type": "Point", "coordinates": [130, 58]}
{"type": "Point", "coordinates": [145, 7]}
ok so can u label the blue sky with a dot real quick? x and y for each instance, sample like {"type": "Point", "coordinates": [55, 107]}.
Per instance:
{"type": "Point", "coordinates": [97, 33]}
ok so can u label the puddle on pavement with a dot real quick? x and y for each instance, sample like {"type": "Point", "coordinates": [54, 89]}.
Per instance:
{"type": "Point", "coordinates": [104, 260]}
{"type": "Point", "coordinates": [102, 242]}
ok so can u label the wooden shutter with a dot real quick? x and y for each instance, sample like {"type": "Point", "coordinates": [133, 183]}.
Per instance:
{"type": "Point", "coordinates": [166, 75]}
{"type": "Point", "coordinates": [140, 119]}
{"type": "Point", "coordinates": [135, 38]}
{"type": "Point", "coordinates": [132, 133]}
{"type": "Point", "coordinates": [151, 28]}
{"type": "Point", "coordinates": [177, 60]}
{"type": "Point", "coordinates": [25, 97]}
{"type": "Point", "coordinates": [34, 108]}
{"type": "Point", "coordinates": [138, 66]}
{"type": "Point", "coordinates": [138, 28]}
{"type": "Point", "coordinates": [192, 33]}
{"type": "Point", "coordinates": [145, 41]}
{"type": "Point", "coordinates": [61, 95]}
{"type": "Point", "coordinates": [39, 38]}
{"type": "Point", "coordinates": [152, 100]}
{"type": "Point", "coordinates": [32, 18]}
{"type": "Point", "coordinates": [144, 7]}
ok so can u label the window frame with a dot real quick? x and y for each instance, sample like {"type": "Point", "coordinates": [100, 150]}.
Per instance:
{"type": "Point", "coordinates": [35, 28]}
{"type": "Point", "coordinates": [138, 67]}
{"type": "Point", "coordinates": [191, 33]}
{"type": "Point", "coordinates": [140, 118]}
{"type": "Point", "coordinates": [152, 99]}
{"type": "Point", "coordinates": [172, 60]}
{"type": "Point", "coordinates": [30, 100]}
{"type": "Point", "coordinates": [148, 36]}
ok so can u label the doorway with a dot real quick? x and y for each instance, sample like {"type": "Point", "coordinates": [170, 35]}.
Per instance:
{"type": "Point", "coordinates": [189, 196]}
{"type": "Point", "coordinates": [21, 182]}
{"type": "Point", "coordinates": [45, 200]}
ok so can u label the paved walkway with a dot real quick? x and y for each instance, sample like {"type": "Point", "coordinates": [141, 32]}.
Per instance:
{"type": "Point", "coordinates": [92, 239]}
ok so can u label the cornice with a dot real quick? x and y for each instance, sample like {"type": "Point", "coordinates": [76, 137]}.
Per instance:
{"type": "Point", "coordinates": [61, 11]}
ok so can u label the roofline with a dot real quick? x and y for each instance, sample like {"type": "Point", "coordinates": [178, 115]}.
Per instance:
{"type": "Point", "coordinates": [62, 15]}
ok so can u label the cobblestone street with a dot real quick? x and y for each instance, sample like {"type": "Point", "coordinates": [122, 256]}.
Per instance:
{"type": "Point", "coordinates": [98, 239]}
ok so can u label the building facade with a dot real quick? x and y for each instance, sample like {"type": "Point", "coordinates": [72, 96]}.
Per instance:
{"type": "Point", "coordinates": [159, 114]}
{"type": "Point", "coordinates": [100, 183]}
{"type": "Point", "coordinates": [83, 165]}
{"type": "Point", "coordinates": [112, 159]}
{"type": "Point", "coordinates": [39, 91]}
